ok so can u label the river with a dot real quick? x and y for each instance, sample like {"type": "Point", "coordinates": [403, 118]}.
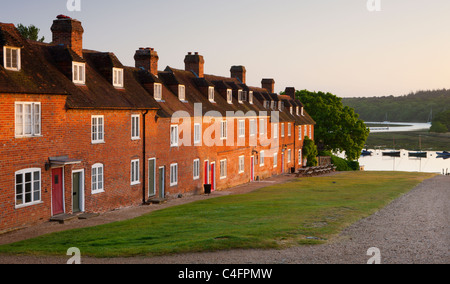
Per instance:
{"type": "Point", "coordinates": [398, 126]}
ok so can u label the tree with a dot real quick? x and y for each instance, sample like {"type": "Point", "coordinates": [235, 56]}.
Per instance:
{"type": "Point", "coordinates": [338, 128]}
{"type": "Point", "coordinates": [31, 32]}
{"type": "Point", "coordinates": [310, 152]}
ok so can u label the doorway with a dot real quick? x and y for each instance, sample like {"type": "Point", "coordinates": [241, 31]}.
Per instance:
{"type": "Point", "coordinates": [151, 177]}
{"type": "Point", "coordinates": [57, 191]}
{"type": "Point", "coordinates": [213, 176]}
{"type": "Point", "coordinates": [77, 191]}
{"type": "Point", "coordinates": [162, 181]}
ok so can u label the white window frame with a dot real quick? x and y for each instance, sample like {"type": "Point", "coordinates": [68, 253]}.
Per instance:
{"type": "Point", "coordinates": [289, 154]}
{"type": "Point", "coordinates": [79, 73]}
{"type": "Point", "coordinates": [275, 160]}
{"type": "Point", "coordinates": [300, 133]}
{"type": "Point", "coordinates": [275, 131]}
{"type": "Point", "coordinates": [223, 169]}
{"type": "Point", "coordinates": [291, 110]}
{"type": "Point", "coordinates": [302, 111]}
{"type": "Point", "coordinates": [310, 132]}
{"type": "Point", "coordinates": [241, 164]}
{"type": "Point", "coordinates": [97, 129]}
{"type": "Point", "coordinates": [30, 120]}
{"type": "Point", "coordinates": [118, 77]}
{"type": "Point", "coordinates": [289, 129]}
{"type": "Point", "coordinates": [306, 130]}
{"type": "Point", "coordinates": [174, 136]}
{"type": "Point", "coordinates": [272, 104]}
{"type": "Point", "coordinates": [35, 185]}
{"type": "Point", "coordinates": [262, 126]}
{"type": "Point", "coordinates": [250, 97]}
{"type": "Point", "coordinates": [282, 129]}
{"type": "Point", "coordinates": [211, 94]}
{"type": "Point", "coordinates": [241, 128]}
{"type": "Point", "coordinates": [97, 178]}
{"type": "Point", "coordinates": [300, 157]}
{"type": "Point", "coordinates": [230, 96]}
{"type": "Point", "coordinates": [196, 169]}
{"type": "Point", "coordinates": [240, 96]}
{"type": "Point", "coordinates": [223, 130]}
{"type": "Point", "coordinates": [157, 91]}
{"type": "Point", "coordinates": [135, 127]}
{"type": "Point", "coordinates": [182, 93]}
{"type": "Point", "coordinates": [252, 126]}
{"type": "Point", "coordinates": [197, 133]}
{"type": "Point", "coordinates": [10, 65]}
{"type": "Point", "coordinates": [261, 158]}
{"type": "Point", "coordinates": [174, 174]}
{"type": "Point", "coordinates": [135, 172]}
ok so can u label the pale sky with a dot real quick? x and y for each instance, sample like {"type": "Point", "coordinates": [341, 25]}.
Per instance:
{"type": "Point", "coordinates": [335, 46]}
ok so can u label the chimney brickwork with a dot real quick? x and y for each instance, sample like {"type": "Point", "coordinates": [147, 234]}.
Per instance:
{"type": "Point", "coordinates": [195, 63]}
{"type": "Point", "coordinates": [69, 32]}
{"type": "Point", "coordinates": [147, 58]}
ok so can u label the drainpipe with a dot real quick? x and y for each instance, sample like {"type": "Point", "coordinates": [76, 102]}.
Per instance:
{"type": "Point", "coordinates": [144, 201]}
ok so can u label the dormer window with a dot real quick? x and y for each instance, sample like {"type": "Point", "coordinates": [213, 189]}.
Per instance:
{"type": "Point", "coordinates": [11, 58]}
{"type": "Point", "coordinates": [250, 97]}
{"type": "Point", "coordinates": [211, 94]}
{"type": "Point", "coordinates": [240, 96]}
{"type": "Point", "coordinates": [272, 104]}
{"type": "Point", "coordinates": [297, 110]}
{"type": "Point", "coordinates": [303, 114]}
{"type": "Point", "coordinates": [229, 96]}
{"type": "Point", "coordinates": [291, 110]}
{"type": "Point", "coordinates": [118, 77]}
{"type": "Point", "coordinates": [157, 92]}
{"type": "Point", "coordinates": [266, 104]}
{"type": "Point", "coordinates": [280, 106]}
{"type": "Point", "coordinates": [78, 73]}
{"type": "Point", "coordinates": [181, 92]}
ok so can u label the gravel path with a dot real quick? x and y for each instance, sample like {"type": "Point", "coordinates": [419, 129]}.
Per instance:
{"type": "Point", "coordinates": [412, 229]}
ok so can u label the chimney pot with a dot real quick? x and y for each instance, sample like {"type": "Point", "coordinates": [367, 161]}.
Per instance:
{"type": "Point", "coordinates": [239, 72]}
{"type": "Point", "coordinates": [68, 31]}
{"type": "Point", "coordinates": [269, 85]}
{"type": "Point", "coordinates": [195, 63]}
{"type": "Point", "coordinates": [147, 59]}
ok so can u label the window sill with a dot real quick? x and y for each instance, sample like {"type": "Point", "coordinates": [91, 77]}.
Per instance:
{"type": "Point", "coordinates": [28, 136]}
{"type": "Point", "coordinates": [97, 192]}
{"type": "Point", "coordinates": [136, 138]}
{"type": "Point", "coordinates": [28, 204]}
{"type": "Point", "coordinates": [135, 183]}
{"type": "Point", "coordinates": [98, 142]}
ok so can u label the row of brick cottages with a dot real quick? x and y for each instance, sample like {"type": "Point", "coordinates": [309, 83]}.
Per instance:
{"type": "Point", "coordinates": [80, 132]}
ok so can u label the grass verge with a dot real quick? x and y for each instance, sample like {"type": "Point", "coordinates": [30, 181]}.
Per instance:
{"type": "Point", "coordinates": [305, 211]}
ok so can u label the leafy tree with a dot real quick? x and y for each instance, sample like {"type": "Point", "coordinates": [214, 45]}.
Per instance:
{"type": "Point", "coordinates": [438, 127]}
{"type": "Point", "coordinates": [338, 127]}
{"type": "Point", "coordinates": [31, 32]}
{"type": "Point", "coordinates": [310, 152]}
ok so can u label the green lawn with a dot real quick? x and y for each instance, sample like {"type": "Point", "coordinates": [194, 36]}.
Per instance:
{"type": "Point", "coordinates": [273, 217]}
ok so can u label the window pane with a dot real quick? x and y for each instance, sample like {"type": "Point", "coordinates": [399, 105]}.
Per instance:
{"type": "Point", "coordinates": [14, 58]}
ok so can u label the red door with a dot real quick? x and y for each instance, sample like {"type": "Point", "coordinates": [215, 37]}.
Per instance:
{"type": "Point", "coordinates": [206, 172]}
{"type": "Point", "coordinates": [213, 177]}
{"type": "Point", "coordinates": [252, 168]}
{"type": "Point", "coordinates": [57, 191]}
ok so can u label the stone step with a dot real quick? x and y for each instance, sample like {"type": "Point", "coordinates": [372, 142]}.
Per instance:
{"type": "Point", "coordinates": [157, 200]}
{"type": "Point", "coordinates": [62, 218]}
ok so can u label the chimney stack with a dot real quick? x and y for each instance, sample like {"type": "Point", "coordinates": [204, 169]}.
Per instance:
{"type": "Point", "coordinates": [290, 91]}
{"type": "Point", "coordinates": [68, 31]}
{"type": "Point", "coordinates": [269, 85]}
{"type": "Point", "coordinates": [239, 72]}
{"type": "Point", "coordinates": [195, 63]}
{"type": "Point", "coordinates": [147, 58]}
